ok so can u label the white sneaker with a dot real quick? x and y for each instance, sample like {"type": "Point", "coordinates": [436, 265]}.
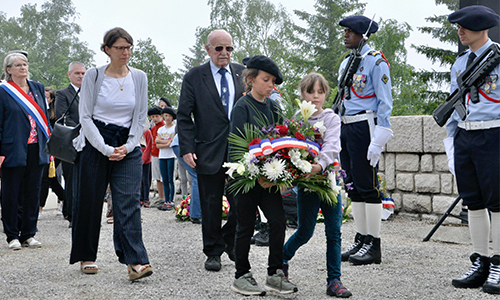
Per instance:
{"type": "Point", "coordinates": [39, 215]}
{"type": "Point", "coordinates": [15, 245]}
{"type": "Point", "coordinates": [32, 243]}
{"type": "Point", "coordinates": [59, 211]}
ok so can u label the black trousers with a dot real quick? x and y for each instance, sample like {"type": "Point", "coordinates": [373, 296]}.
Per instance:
{"type": "Point", "coordinates": [52, 183]}
{"type": "Point", "coordinates": [271, 205]}
{"type": "Point", "coordinates": [21, 197]}
{"type": "Point", "coordinates": [477, 168]}
{"type": "Point", "coordinates": [69, 189]}
{"type": "Point", "coordinates": [355, 139]}
{"type": "Point", "coordinates": [146, 182]}
{"type": "Point", "coordinates": [215, 238]}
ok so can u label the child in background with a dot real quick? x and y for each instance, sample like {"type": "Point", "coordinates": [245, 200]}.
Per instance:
{"type": "Point", "coordinates": [314, 88]}
{"type": "Point", "coordinates": [155, 114]}
{"type": "Point", "coordinates": [167, 156]}
{"type": "Point", "coordinates": [146, 142]}
{"type": "Point", "coordinates": [260, 76]}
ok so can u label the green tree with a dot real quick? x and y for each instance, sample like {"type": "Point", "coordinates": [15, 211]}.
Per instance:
{"type": "Point", "coordinates": [446, 33]}
{"type": "Point", "coordinates": [161, 82]}
{"type": "Point", "coordinates": [257, 27]}
{"type": "Point", "coordinates": [50, 36]}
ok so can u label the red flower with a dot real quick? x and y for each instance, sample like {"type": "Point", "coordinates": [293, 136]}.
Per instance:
{"type": "Point", "coordinates": [317, 136]}
{"type": "Point", "coordinates": [283, 130]}
{"type": "Point", "coordinates": [254, 142]}
{"type": "Point", "coordinates": [299, 136]}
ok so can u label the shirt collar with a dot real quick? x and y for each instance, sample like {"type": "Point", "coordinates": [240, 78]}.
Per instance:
{"type": "Point", "coordinates": [215, 69]}
{"type": "Point", "coordinates": [74, 86]}
{"type": "Point", "coordinates": [483, 48]}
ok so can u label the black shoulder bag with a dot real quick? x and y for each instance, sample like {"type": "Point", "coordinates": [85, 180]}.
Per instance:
{"type": "Point", "coordinates": [60, 143]}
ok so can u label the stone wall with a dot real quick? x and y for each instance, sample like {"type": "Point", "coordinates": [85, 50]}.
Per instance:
{"type": "Point", "coordinates": [415, 167]}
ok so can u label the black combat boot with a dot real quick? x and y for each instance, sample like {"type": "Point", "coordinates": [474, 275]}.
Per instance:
{"type": "Point", "coordinates": [476, 275]}
{"type": "Point", "coordinates": [358, 243]}
{"type": "Point", "coordinates": [492, 284]}
{"type": "Point", "coordinates": [369, 253]}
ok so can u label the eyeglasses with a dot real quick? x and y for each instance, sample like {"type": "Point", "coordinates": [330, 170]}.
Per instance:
{"type": "Point", "coordinates": [20, 65]}
{"type": "Point", "coordinates": [121, 48]}
{"type": "Point", "coordinates": [219, 48]}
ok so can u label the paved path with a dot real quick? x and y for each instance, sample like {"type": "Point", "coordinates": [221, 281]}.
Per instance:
{"type": "Point", "coordinates": [410, 269]}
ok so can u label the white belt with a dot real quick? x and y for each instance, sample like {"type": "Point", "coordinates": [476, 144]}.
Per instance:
{"type": "Point", "coordinates": [356, 118]}
{"type": "Point", "coordinates": [479, 125]}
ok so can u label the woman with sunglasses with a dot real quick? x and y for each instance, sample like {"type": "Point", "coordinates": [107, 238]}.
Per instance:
{"type": "Point", "coordinates": [113, 105]}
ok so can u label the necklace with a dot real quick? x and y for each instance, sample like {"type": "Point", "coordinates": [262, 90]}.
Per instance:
{"type": "Point", "coordinates": [121, 84]}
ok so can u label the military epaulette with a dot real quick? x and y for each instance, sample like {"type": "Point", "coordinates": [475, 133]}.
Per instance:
{"type": "Point", "coordinates": [463, 53]}
{"type": "Point", "coordinates": [380, 60]}
{"type": "Point", "coordinates": [374, 53]}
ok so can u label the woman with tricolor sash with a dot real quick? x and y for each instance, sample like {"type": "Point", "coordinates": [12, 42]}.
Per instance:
{"type": "Point", "coordinates": [24, 131]}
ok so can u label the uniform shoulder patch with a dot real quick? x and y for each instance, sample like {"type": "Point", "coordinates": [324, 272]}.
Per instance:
{"type": "Point", "coordinates": [375, 53]}
{"type": "Point", "coordinates": [380, 60]}
{"type": "Point", "coordinates": [385, 79]}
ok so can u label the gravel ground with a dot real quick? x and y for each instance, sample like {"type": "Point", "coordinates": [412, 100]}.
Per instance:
{"type": "Point", "coordinates": [410, 269]}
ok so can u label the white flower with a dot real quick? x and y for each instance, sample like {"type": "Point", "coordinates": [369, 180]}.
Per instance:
{"type": "Point", "coordinates": [232, 167]}
{"type": "Point", "coordinates": [248, 158]}
{"type": "Point", "coordinates": [307, 109]}
{"type": "Point", "coordinates": [253, 171]}
{"type": "Point", "coordinates": [333, 183]}
{"type": "Point", "coordinates": [321, 128]}
{"type": "Point", "coordinates": [305, 166]}
{"type": "Point", "coordinates": [241, 169]}
{"type": "Point", "coordinates": [274, 169]}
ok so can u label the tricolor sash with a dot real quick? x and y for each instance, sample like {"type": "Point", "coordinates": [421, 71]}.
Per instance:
{"type": "Point", "coordinates": [267, 146]}
{"type": "Point", "coordinates": [28, 104]}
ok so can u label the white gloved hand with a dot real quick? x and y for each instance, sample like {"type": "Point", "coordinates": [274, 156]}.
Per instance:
{"type": "Point", "coordinates": [450, 153]}
{"type": "Point", "coordinates": [381, 136]}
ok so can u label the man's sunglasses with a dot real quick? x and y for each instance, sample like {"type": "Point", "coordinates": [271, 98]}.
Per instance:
{"type": "Point", "coordinates": [228, 48]}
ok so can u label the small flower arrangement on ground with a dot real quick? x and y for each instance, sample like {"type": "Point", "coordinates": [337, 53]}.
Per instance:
{"type": "Point", "coordinates": [225, 207]}
{"type": "Point", "coordinates": [281, 154]}
{"type": "Point", "coordinates": [182, 209]}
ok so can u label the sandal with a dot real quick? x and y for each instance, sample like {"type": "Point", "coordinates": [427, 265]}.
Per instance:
{"type": "Point", "coordinates": [143, 271]}
{"type": "Point", "coordinates": [89, 268]}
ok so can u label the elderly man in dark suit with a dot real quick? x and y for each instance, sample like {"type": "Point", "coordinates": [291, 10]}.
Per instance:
{"type": "Point", "coordinates": [208, 93]}
{"type": "Point", "coordinates": [64, 97]}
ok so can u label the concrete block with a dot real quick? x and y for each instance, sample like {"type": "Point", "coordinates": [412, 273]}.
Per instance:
{"type": "Point", "coordinates": [426, 163]}
{"type": "Point", "coordinates": [417, 203]}
{"type": "Point", "coordinates": [397, 201]}
{"type": "Point", "coordinates": [381, 162]}
{"type": "Point", "coordinates": [427, 183]}
{"type": "Point", "coordinates": [407, 135]}
{"type": "Point", "coordinates": [433, 135]}
{"type": "Point", "coordinates": [390, 171]}
{"type": "Point", "coordinates": [440, 205]}
{"type": "Point", "coordinates": [441, 163]}
{"type": "Point", "coordinates": [446, 183]}
{"type": "Point", "coordinates": [405, 181]}
{"type": "Point", "coordinates": [407, 162]}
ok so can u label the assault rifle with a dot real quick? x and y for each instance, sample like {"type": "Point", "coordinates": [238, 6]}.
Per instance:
{"type": "Point", "coordinates": [345, 82]}
{"type": "Point", "coordinates": [468, 82]}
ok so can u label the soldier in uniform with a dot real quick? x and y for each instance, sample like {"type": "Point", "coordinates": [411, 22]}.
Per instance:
{"type": "Point", "coordinates": [365, 130]}
{"type": "Point", "coordinates": [473, 149]}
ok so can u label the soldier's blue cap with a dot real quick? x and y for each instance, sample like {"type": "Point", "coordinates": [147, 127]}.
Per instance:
{"type": "Point", "coordinates": [475, 17]}
{"type": "Point", "coordinates": [264, 63]}
{"type": "Point", "coordinates": [359, 24]}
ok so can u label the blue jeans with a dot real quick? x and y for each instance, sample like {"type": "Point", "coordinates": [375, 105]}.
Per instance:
{"type": "Point", "coordinates": [194, 206]}
{"type": "Point", "coordinates": [308, 205]}
{"type": "Point", "coordinates": [167, 173]}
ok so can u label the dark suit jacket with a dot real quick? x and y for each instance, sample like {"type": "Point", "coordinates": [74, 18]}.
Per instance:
{"type": "Point", "coordinates": [15, 128]}
{"type": "Point", "coordinates": [63, 100]}
{"type": "Point", "coordinates": [208, 137]}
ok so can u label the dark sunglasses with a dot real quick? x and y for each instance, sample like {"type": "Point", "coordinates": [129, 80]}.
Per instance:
{"type": "Point", "coordinates": [228, 48]}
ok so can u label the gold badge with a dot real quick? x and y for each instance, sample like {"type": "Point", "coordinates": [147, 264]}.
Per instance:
{"type": "Point", "coordinates": [385, 79]}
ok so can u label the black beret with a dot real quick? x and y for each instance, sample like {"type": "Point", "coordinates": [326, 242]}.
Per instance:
{"type": "Point", "coordinates": [264, 63]}
{"type": "Point", "coordinates": [170, 111]}
{"type": "Point", "coordinates": [475, 17]}
{"type": "Point", "coordinates": [155, 110]}
{"type": "Point", "coordinates": [166, 101]}
{"type": "Point", "coordinates": [359, 24]}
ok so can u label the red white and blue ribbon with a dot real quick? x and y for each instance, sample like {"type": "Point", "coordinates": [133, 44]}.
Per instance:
{"type": "Point", "coordinates": [267, 146]}
{"type": "Point", "coordinates": [28, 104]}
